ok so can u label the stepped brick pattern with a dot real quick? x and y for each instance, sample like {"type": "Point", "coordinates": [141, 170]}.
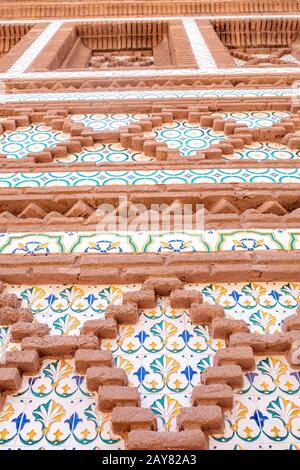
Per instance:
{"type": "Point", "coordinates": [150, 225]}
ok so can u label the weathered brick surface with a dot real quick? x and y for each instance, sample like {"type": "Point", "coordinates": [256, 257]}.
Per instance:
{"type": "Point", "coordinates": [25, 361]}
{"type": "Point", "coordinates": [96, 376]}
{"type": "Point", "coordinates": [203, 314]}
{"type": "Point", "coordinates": [128, 418]}
{"type": "Point", "coordinates": [183, 298]}
{"type": "Point", "coordinates": [127, 314]}
{"type": "Point", "coordinates": [84, 359]}
{"type": "Point", "coordinates": [110, 396]}
{"type": "Point", "coordinates": [163, 286]}
{"type": "Point", "coordinates": [242, 356]}
{"type": "Point", "coordinates": [224, 327]}
{"type": "Point", "coordinates": [60, 346]}
{"type": "Point", "coordinates": [10, 379]}
{"type": "Point", "coordinates": [144, 298]}
{"type": "Point", "coordinates": [152, 440]}
{"type": "Point", "coordinates": [9, 300]}
{"type": "Point", "coordinates": [291, 323]}
{"type": "Point", "coordinates": [277, 343]}
{"type": "Point", "coordinates": [21, 330]}
{"type": "Point", "coordinates": [214, 394]}
{"type": "Point", "coordinates": [209, 419]}
{"type": "Point", "coordinates": [101, 328]}
{"type": "Point", "coordinates": [231, 375]}
{"type": "Point", "coordinates": [10, 315]}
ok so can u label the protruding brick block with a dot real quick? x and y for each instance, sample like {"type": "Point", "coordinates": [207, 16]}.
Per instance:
{"type": "Point", "coordinates": [10, 315]}
{"type": "Point", "coordinates": [23, 330]}
{"type": "Point", "coordinates": [110, 396]}
{"type": "Point", "coordinates": [291, 323]}
{"type": "Point", "coordinates": [153, 440]}
{"type": "Point", "coordinates": [209, 419]}
{"type": "Point", "coordinates": [229, 375]}
{"type": "Point", "coordinates": [84, 359]}
{"type": "Point", "coordinates": [224, 327]}
{"type": "Point", "coordinates": [144, 298]}
{"type": "Point", "coordinates": [203, 314]}
{"type": "Point", "coordinates": [127, 314]}
{"type": "Point", "coordinates": [25, 361]}
{"type": "Point", "coordinates": [183, 298]}
{"type": "Point", "coordinates": [241, 356]}
{"type": "Point", "coordinates": [54, 346]}
{"type": "Point", "coordinates": [10, 379]}
{"type": "Point", "coordinates": [294, 354]}
{"type": "Point", "coordinates": [9, 300]}
{"type": "Point", "coordinates": [278, 343]}
{"type": "Point", "coordinates": [215, 394]}
{"type": "Point", "coordinates": [128, 418]}
{"type": "Point", "coordinates": [98, 376]}
{"type": "Point", "coordinates": [107, 328]}
{"type": "Point", "coordinates": [163, 286]}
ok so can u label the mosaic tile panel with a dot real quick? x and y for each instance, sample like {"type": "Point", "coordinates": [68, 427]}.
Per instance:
{"type": "Point", "coordinates": [149, 177]}
{"type": "Point", "coordinates": [162, 355]}
{"type": "Point", "coordinates": [256, 119]}
{"type": "Point", "coordinates": [264, 151]}
{"type": "Point", "coordinates": [29, 139]}
{"type": "Point", "coordinates": [149, 242]}
{"type": "Point", "coordinates": [107, 121]}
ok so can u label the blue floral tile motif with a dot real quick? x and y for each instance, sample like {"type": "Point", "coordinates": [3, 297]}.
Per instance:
{"type": "Point", "coordinates": [107, 121]}
{"type": "Point", "coordinates": [187, 137]}
{"type": "Point", "coordinates": [34, 138]}
{"type": "Point", "coordinates": [163, 355]}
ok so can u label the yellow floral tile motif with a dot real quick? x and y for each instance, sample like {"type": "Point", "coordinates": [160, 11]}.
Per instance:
{"type": "Point", "coordinates": [163, 355]}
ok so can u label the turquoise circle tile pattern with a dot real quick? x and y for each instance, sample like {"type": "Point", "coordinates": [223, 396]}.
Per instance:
{"type": "Point", "coordinates": [264, 151]}
{"type": "Point", "coordinates": [110, 153]}
{"type": "Point", "coordinates": [107, 121]}
{"type": "Point", "coordinates": [30, 139]}
{"type": "Point", "coordinates": [187, 137]}
{"type": "Point", "coordinates": [256, 119]}
{"type": "Point", "coordinates": [150, 177]}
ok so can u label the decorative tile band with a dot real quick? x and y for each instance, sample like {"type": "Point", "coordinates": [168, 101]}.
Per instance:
{"type": "Point", "coordinates": [149, 242]}
{"type": "Point", "coordinates": [149, 94]}
{"type": "Point", "coordinates": [150, 177]}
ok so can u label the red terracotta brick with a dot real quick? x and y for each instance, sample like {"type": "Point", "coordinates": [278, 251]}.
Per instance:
{"type": "Point", "coordinates": [10, 379]}
{"type": "Point", "coordinates": [127, 314]}
{"type": "Point", "coordinates": [209, 419]}
{"type": "Point", "coordinates": [96, 376]}
{"type": "Point", "coordinates": [9, 300]}
{"type": "Point", "coordinates": [213, 395]}
{"type": "Point", "coordinates": [291, 323]}
{"type": "Point", "coordinates": [127, 418]}
{"type": "Point", "coordinates": [183, 298]}
{"type": "Point", "coordinates": [144, 298]}
{"type": "Point", "coordinates": [110, 396]}
{"type": "Point", "coordinates": [203, 314]}
{"type": "Point", "coordinates": [21, 330]}
{"type": "Point", "coordinates": [152, 440]}
{"type": "Point", "coordinates": [26, 361]}
{"type": "Point", "coordinates": [59, 346]}
{"type": "Point", "coordinates": [163, 285]}
{"type": "Point", "coordinates": [231, 375]}
{"type": "Point", "coordinates": [294, 354]}
{"type": "Point", "coordinates": [224, 327]}
{"type": "Point", "coordinates": [242, 356]}
{"type": "Point", "coordinates": [9, 315]}
{"type": "Point", "coordinates": [277, 343]}
{"type": "Point", "coordinates": [84, 359]}
{"type": "Point", "coordinates": [107, 328]}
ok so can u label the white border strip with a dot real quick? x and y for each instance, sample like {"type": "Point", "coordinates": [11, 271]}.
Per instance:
{"type": "Point", "coordinates": [32, 52]}
{"type": "Point", "coordinates": [201, 51]}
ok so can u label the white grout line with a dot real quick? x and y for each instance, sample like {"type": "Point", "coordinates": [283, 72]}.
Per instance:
{"type": "Point", "coordinates": [201, 52]}
{"type": "Point", "coordinates": [32, 52]}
